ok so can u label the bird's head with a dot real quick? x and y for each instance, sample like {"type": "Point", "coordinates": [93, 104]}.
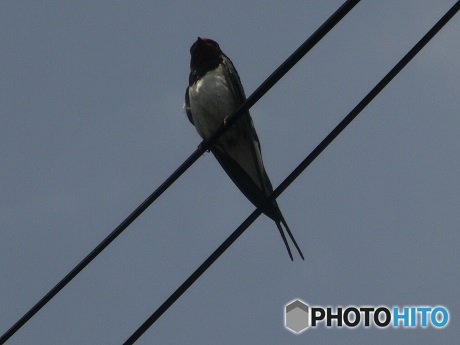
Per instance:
{"type": "Point", "coordinates": [204, 50]}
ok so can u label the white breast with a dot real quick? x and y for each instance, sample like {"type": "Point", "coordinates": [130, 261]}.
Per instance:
{"type": "Point", "coordinates": [211, 100]}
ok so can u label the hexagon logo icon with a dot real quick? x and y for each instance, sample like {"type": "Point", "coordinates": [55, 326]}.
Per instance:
{"type": "Point", "coordinates": [296, 316]}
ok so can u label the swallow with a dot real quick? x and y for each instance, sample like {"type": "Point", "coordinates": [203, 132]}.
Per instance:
{"type": "Point", "coordinates": [213, 94]}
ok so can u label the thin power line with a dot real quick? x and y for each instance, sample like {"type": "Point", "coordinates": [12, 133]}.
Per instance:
{"type": "Point", "coordinates": [296, 173]}
{"type": "Point", "coordinates": [204, 145]}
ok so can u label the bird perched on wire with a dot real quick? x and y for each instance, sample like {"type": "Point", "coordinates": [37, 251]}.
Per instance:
{"type": "Point", "coordinates": [214, 93]}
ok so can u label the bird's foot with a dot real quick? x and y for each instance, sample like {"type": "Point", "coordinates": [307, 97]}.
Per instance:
{"type": "Point", "coordinates": [202, 150]}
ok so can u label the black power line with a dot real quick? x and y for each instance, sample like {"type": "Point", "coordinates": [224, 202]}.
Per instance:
{"type": "Point", "coordinates": [204, 145]}
{"type": "Point", "coordinates": [296, 173]}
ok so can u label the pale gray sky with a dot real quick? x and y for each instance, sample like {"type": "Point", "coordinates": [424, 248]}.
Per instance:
{"type": "Point", "coordinates": [91, 96]}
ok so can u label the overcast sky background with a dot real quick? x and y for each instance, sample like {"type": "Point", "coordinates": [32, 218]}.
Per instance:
{"type": "Point", "coordinates": [91, 96]}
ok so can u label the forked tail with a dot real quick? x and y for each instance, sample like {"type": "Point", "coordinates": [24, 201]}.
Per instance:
{"type": "Point", "coordinates": [283, 236]}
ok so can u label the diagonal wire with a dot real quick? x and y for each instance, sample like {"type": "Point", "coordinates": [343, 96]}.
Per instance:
{"type": "Point", "coordinates": [295, 173]}
{"type": "Point", "coordinates": [204, 145]}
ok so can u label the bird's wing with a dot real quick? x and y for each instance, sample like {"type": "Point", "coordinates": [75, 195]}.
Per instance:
{"type": "Point", "coordinates": [246, 125]}
{"type": "Point", "coordinates": [238, 92]}
{"type": "Point", "coordinates": [239, 176]}
{"type": "Point", "coordinates": [187, 109]}
{"type": "Point", "coordinates": [243, 181]}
